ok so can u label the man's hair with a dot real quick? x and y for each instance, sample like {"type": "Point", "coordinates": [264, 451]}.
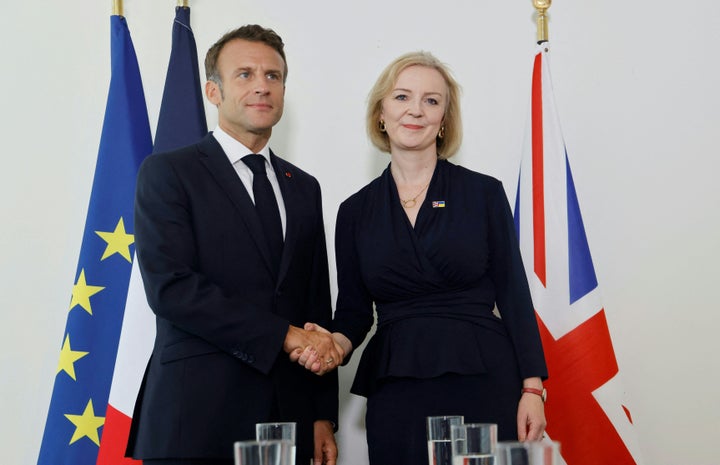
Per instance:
{"type": "Point", "coordinates": [251, 33]}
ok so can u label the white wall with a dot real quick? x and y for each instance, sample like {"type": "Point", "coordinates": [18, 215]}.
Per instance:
{"type": "Point", "coordinates": [636, 87]}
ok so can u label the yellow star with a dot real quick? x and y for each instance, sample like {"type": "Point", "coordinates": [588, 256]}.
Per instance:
{"type": "Point", "coordinates": [118, 241]}
{"type": "Point", "coordinates": [82, 292]}
{"type": "Point", "coordinates": [86, 425]}
{"type": "Point", "coordinates": [68, 357]}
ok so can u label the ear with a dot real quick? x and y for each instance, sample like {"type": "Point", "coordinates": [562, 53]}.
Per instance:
{"type": "Point", "coordinates": [212, 92]}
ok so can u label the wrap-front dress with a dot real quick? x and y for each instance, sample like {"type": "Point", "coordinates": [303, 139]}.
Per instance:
{"type": "Point", "coordinates": [439, 348]}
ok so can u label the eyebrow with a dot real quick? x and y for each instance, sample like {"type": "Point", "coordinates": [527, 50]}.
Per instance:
{"type": "Point", "coordinates": [400, 89]}
{"type": "Point", "coordinates": [253, 69]}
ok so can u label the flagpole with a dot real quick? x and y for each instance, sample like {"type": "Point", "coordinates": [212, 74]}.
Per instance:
{"type": "Point", "coordinates": [117, 9]}
{"type": "Point", "coordinates": [542, 20]}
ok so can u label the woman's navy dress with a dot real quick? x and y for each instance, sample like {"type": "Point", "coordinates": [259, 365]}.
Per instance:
{"type": "Point", "coordinates": [439, 349]}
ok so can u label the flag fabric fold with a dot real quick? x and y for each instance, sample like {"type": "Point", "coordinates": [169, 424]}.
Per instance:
{"type": "Point", "coordinates": [585, 409]}
{"type": "Point", "coordinates": [77, 412]}
{"type": "Point", "coordinates": [181, 122]}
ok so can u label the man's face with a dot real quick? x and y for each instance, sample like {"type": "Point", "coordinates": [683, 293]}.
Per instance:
{"type": "Point", "coordinates": [250, 101]}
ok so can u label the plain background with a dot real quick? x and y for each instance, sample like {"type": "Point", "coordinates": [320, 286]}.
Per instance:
{"type": "Point", "coordinates": [636, 89]}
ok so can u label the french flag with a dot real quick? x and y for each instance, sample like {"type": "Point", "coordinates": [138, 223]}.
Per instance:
{"type": "Point", "coordinates": [181, 122]}
{"type": "Point", "coordinates": [585, 409]}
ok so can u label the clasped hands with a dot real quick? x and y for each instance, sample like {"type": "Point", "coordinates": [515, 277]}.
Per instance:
{"type": "Point", "coordinates": [315, 348]}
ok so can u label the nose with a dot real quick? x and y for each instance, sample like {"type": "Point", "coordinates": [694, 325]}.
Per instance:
{"type": "Point", "coordinates": [414, 108]}
{"type": "Point", "coordinates": [261, 87]}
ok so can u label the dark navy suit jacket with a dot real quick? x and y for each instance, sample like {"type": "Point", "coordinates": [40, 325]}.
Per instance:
{"type": "Point", "coordinates": [217, 366]}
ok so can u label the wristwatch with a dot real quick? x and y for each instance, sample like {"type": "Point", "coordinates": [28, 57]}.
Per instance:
{"type": "Point", "coordinates": [538, 392]}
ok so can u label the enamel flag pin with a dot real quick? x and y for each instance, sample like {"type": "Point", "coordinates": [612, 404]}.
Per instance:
{"type": "Point", "coordinates": [438, 204]}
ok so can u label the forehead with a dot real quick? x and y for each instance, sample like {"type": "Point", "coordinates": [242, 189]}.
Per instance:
{"type": "Point", "coordinates": [240, 53]}
{"type": "Point", "coordinates": [421, 78]}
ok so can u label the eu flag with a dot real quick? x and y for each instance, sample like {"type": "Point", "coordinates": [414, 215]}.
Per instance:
{"type": "Point", "coordinates": [95, 313]}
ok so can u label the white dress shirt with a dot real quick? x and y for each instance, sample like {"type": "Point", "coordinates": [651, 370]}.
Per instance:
{"type": "Point", "coordinates": [235, 151]}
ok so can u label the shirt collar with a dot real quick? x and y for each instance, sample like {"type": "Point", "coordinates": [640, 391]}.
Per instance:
{"type": "Point", "coordinates": [234, 149]}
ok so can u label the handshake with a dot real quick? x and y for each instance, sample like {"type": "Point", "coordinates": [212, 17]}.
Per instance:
{"type": "Point", "coordinates": [315, 348]}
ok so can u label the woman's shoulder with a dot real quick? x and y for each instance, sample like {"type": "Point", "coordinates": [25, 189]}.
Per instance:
{"type": "Point", "coordinates": [369, 190]}
{"type": "Point", "coordinates": [461, 174]}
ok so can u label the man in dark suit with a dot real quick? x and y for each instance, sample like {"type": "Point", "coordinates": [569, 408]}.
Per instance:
{"type": "Point", "coordinates": [234, 262]}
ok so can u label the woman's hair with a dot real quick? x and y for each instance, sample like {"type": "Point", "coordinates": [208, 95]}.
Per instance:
{"type": "Point", "coordinates": [448, 145]}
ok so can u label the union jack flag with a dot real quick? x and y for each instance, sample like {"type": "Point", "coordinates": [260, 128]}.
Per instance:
{"type": "Point", "coordinates": [585, 408]}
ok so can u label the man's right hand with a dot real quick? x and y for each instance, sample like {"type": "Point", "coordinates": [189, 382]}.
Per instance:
{"type": "Point", "coordinates": [316, 344]}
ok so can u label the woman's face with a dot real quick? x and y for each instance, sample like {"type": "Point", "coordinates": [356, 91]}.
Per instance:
{"type": "Point", "coordinates": [413, 112]}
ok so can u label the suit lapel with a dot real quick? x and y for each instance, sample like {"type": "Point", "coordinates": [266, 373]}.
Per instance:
{"type": "Point", "coordinates": [217, 163]}
{"type": "Point", "coordinates": [288, 189]}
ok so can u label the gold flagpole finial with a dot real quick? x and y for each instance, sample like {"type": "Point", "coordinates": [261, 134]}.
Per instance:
{"type": "Point", "coordinates": [117, 9]}
{"type": "Point", "coordinates": [183, 3]}
{"type": "Point", "coordinates": [542, 20]}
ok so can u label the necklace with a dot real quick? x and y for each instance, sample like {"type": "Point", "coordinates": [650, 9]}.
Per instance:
{"type": "Point", "coordinates": [410, 203]}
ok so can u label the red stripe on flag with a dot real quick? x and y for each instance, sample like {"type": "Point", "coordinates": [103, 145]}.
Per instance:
{"type": "Point", "coordinates": [114, 439]}
{"type": "Point", "coordinates": [538, 181]}
{"type": "Point", "coordinates": [579, 363]}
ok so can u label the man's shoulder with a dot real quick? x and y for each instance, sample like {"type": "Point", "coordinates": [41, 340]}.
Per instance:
{"type": "Point", "coordinates": [187, 153]}
{"type": "Point", "coordinates": [291, 171]}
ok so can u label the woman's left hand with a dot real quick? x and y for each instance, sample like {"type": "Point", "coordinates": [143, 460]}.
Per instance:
{"type": "Point", "coordinates": [531, 418]}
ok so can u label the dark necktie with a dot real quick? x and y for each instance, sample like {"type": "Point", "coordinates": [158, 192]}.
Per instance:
{"type": "Point", "coordinates": [266, 207]}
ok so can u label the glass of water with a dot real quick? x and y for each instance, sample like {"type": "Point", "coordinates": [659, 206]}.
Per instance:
{"type": "Point", "coordinates": [279, 430]}
{"type": "Point", "coordinates": [438, 438]}
{"type": "Point", "coordinates": [544, 452]}
{"type": "Point", "coordinates": [275, 452]}
{"type": "Point", "coordinates": [473, 443]}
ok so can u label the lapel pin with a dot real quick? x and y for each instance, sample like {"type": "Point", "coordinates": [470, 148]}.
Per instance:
{"type": "Point", "coordinates": [438, 204]}
{"type": "Point", "coordinates": [288, 174]}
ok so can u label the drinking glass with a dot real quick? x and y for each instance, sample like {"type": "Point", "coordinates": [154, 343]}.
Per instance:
{"type": "Point", "coordinates": [275, 452]}
{"type": "Point", "coordinates": [473, 443]}
{"type": "Point", "coordinates": [280, 430]}
{"type": "Point", "coordinates": [528, 453]}
{"type": "Point", "coordinates": [438, 438]}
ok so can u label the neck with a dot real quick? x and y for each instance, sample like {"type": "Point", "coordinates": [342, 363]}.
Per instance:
{"type": "Point", "coordinates": [255, 141]}
{"type": "Point", "coordinates": [411, 168]}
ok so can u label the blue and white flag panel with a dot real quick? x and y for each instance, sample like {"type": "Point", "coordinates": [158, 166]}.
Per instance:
{"type": "Point", "coordinates": [181, 122]}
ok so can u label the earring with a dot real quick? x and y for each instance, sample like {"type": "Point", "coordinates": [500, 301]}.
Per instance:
{"type": "Point", "coordinates": [381, 125]}
{"type": "Point", "coordinates": [441, 133]}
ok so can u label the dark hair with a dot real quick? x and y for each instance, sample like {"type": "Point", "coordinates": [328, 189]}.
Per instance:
{"type": "Point", "coordinates": [251, 33]}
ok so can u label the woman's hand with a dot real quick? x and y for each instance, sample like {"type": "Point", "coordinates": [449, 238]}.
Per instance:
{"type": "Point", "coordinates": [531, 413]}
{"type": "Point", "coordinates": [309, 357]}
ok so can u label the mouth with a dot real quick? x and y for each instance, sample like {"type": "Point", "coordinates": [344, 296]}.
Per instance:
{"type": "Point", "coordinates": [260, 106]}
{"type": "Point", "coordinates": [412, 126]}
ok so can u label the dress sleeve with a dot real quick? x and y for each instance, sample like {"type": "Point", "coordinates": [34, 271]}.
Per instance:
{"type": "Point", "coordinates": [512, 292]}
{"type": "Point", "coordinates": [354, 310]}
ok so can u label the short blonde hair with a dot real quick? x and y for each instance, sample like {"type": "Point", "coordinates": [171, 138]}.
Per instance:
{"type": "Point", "coordinates": [446, 146]}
